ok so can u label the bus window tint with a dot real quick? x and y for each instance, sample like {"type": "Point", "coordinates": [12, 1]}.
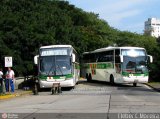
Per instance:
{"type": "Point", "coordinates": [117, 56]}
{"type": "Point", "coordinates": [86, 58]}
{"type": "Point", "coordinates": [63, 65]}
{"type": "Point", "coordinates": [106, 57]}
{"type": "Point", "coordinates": [89, 58]}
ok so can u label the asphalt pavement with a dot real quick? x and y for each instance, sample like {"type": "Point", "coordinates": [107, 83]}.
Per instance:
{"type": "Point", "coordinates": [21, 92]}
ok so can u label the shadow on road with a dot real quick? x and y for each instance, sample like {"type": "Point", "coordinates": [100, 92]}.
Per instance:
{"type": "Point", "coordinates": [127, 87]}
{"type": "Point", "coordinates": [103, 83]}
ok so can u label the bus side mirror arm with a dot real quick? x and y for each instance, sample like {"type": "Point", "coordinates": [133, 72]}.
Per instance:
{"type": "Point", "coordinates": [73, 58]}
{"type": "Point", "coordinates": [121, 58]}
{"type": "Point", "coordinates": [150, 58]}
{"type": "Point", "coordinates": [36, 59]}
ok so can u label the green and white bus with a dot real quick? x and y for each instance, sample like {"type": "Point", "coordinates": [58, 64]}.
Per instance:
{"type": "Point", "coordinates": [117, 65]}
{"type": "Point", "coordinates": [57, 64]}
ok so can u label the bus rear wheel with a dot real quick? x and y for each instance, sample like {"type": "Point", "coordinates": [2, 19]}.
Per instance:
{"type": "Point", "coordinates": [87, 77]}
{"type": "Point", "coordinates": [134, 84]}
{"type": "Point", "coordinates": [112, 79]}
{"type": "Point", "coordinates": [90, 78]}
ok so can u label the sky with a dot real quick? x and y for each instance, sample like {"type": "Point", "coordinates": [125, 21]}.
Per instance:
{"type": "Point", "coordinates": [125, 15]}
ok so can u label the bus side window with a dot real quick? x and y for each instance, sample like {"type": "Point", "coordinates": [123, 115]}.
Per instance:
{"type": "Point", "coordinates": [106, 56]}
{"type": "Point", "coordinates": [85, 58]}
{"type": "Point", "coordinates": [117, 56]}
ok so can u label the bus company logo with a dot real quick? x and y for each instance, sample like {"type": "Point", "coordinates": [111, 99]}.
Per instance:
{"type": "Point", "coordinates": [4, 116]}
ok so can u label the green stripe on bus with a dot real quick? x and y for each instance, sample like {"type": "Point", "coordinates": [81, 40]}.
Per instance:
{"type": "Point", "coordinates": [86, 66]}
{"type": "Point", "coordinates": [44, 77]}
{"type": "Point", "coordinates": [98, 65]}
{"type": "Point", "coordinates": [104, 66]}
{"type": "Point", "coordinates": [134, 74]}
{"type": "Point", "coordinates": [69, 76]}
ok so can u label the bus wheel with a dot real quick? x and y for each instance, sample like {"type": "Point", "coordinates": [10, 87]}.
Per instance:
{"type": "Point", "coordinates": [87, 77]}
{"type": "Point", "coordinates": [77, 82]}
{"type": "Point", "coordinates": [112, 79]}
{"type": "Point", "coordinates": [90, 78]}
{"type": "Point", "coordinates": [134, 84]}
{"type": "Point", "coordinates": [36, 89]}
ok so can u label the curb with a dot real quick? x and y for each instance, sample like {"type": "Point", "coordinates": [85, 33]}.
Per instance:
{"type": "Point", "coordinates": [2, 97]}
{"type": "Point", "coordinates": [154, 88]}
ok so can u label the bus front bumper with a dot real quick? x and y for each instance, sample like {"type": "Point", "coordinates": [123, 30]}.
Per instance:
{"type": "Point", "coordinates": [135, 79]}
{"type": "Point", "coordinates": [49, 84]}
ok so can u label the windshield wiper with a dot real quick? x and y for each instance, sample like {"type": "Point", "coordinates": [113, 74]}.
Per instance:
{"type": "Point", "coordinates": [51, 69]}
{"type": "Point", "coordinates": [60, 69]}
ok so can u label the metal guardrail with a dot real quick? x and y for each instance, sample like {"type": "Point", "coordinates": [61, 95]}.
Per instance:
{"type": "Point", "coordinates": [20, 82]}
{"type": "Point", "coordinates": [23, 77]}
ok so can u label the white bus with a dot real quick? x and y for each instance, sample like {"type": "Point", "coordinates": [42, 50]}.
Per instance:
{"type": "Point", "coordinates": [117, 65]}
{"type": "Point", "coordinates": [57, 64]}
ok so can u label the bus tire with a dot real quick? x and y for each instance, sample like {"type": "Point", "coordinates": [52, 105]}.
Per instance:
{"type": "Point", "coordinates": [90, 78]}
{"type": "Point", "coordinates": [60, 90]}
{"type": "Point", "coordinates": [112, 79]}
{"type": "Point", "coordinates": [87, 77]}
{"type": "Point", "coordinates": [77, 82]}
{"type": "Point", "coordinates": [36, 89]}
{"type": "Point", "coordinates": [134, 84]}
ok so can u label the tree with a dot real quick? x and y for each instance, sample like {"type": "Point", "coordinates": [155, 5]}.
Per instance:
{"type": "Point", "coordinates": [25, 25]}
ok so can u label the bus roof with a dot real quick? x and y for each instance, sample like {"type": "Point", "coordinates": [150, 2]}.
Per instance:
{"type": "Point", "coordinates": [111, 48]}
{"type": "Point", "coordinates": [58, 46]}
{"type": "Point", "coordinates": [55, 46]}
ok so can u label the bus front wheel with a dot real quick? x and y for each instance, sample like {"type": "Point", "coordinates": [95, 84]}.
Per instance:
{"type": "Point", "coordinates": [36, 89]}
{"type": "Point", "coordinates": [134, 84]}
{"type": "Point", "coordinates": [112, 79]}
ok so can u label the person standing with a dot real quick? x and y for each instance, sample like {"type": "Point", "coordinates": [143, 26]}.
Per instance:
{"type": "Point", "coordinates": [10, 80]}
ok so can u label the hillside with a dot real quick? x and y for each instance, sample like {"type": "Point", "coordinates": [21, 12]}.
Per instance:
{"type": "Point", "coordinates": [25, 25]}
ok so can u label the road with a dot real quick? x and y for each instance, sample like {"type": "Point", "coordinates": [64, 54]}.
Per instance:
{"type": "Point", "coordinates": [95, 100]}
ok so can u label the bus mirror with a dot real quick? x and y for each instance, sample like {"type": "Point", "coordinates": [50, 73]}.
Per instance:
{"type": "Point", "coordinates": [73, 58]}
{"type": "Point", "coordinates": [36, 59]}
{"type": "Point", "coordinates": [121, 58]}
{"type": "Point", "coordinates": [150, 58]}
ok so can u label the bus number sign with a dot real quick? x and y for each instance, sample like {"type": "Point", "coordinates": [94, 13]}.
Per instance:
{"type": "Point", "coordinates": [53, 52]}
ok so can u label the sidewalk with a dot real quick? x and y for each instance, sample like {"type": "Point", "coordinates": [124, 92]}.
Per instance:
{"type": "Point", "coordinates": [18, 92]}
{"type": "Point", "coordinates": [154, 85]}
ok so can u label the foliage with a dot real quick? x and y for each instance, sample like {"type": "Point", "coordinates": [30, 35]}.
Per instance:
{"type": "Point", "coordinates": [25, 25]}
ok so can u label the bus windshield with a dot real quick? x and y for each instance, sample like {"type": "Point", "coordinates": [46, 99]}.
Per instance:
{"type": "Point", "coordinates": [55, 65]}
{"type": "Point", "coordinates": [135, 64]}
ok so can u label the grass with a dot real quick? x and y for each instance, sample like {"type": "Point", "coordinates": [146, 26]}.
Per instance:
{"type": "Point", "coordinates": [154, 83]}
